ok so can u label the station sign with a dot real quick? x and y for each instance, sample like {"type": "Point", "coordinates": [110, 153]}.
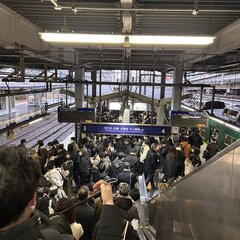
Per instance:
{"type": "Point", "coordinates": [188, 119]}
{"type": "Point", "coordinates": [76, 115]}
{"type": "Point", "coordinates": [125, 129]}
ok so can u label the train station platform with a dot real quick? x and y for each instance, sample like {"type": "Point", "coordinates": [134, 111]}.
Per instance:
{"type": "Point", "coordinates": [23, 111]}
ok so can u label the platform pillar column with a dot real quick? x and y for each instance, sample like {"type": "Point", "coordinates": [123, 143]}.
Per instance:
{"type": "Point", "coordinates": [79, 97]}
{"type": "Point", "coordinates": [79, 87]}
{"type": "Point", "coordinates": [160, 115]}
{"type": "Point", "coordinates": [163, 82]}
{"type": "Point", "coordinates": [177, 89]}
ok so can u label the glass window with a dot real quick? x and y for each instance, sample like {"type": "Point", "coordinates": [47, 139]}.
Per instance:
{"type": "Point", "coordinates": [2, 103]}
{"type": "Point", "coordinates": [228, 140]}
{"type": "Point", "coordinates": [12, 102]}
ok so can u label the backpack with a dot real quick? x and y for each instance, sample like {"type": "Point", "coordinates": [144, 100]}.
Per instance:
{"type": "Point", "coordinates": [58, 222]}
{"type": "Point", "coordinates": [55, 228]}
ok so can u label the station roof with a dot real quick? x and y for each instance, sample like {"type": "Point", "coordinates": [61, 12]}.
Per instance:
{"type": "Point", "coordinates": [141, 17]}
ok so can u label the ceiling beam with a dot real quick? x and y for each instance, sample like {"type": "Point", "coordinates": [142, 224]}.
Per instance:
{"type": "Point", "coordinates": [227, 40]}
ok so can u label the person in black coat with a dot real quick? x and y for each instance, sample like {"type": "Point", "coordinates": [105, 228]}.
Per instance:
{"type": "Point", "coordinates": [197, 140]}
{"type": "Point", "coordinates": [127, 176]}
{"type": "Point", "coordinates": [151, 164]}
{"type": "Point", "coordinates": [171, 164]}
{"type": "Point", "coordinates": [85, 215]}
{"type": "Point", "coordinates": [133, 161]}
{"type": "Point", "coordinates": [212, 149]}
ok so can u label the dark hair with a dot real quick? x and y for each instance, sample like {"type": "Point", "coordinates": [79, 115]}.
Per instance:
{"type": "Point", "coordinates": [191, 156]}
{"type": "Point", "coordinates": [196, 150]}
{"type": "Point", "coordinates": [23, 140]}
{"type": "Point", "coordinates": [196, 161]}
{"type": "Point", "coordinates": [19, 177]}
{"type": "Point", "coordinates": [83, 193]}
{"type": "Point", "coordinates": [172, 152]}
{"type": "Point", "coordinates": [40, 143]}
{"type": "Point", "coordinates": [63, 204]}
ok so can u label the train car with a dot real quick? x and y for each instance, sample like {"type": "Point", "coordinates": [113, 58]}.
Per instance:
{"type": "Point", "coordinates": [225, 129]}
{"type": "Point", "coordinates": [224, 132]}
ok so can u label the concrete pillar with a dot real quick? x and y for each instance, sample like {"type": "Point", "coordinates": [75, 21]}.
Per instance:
{"type": "Point", "coordinates": [177, 90]}
{"type": "Point", "coordinates": [79, 87]}
{"type": "Point", "coordinates": [160, 115]}
{"type": "Point", "coordinates": [94, 82]}
{"type": "Point", "coordinates": [163, 81]}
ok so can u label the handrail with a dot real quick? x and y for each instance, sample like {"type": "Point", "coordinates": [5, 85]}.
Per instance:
{"type": "Point", "coordinates": [200, 168]}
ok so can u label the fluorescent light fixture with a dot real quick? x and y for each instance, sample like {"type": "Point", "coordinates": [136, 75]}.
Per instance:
{"type": "Point", "coordinates": [121, 39]}
{"type": "Point", "coordinates": [82, 38]}
{"type": "Point", "coordinates": [217, 120]}
{"type": "Point", "coordinates": [188, 108]}
{"type": "Point", "coordinates": [35, 121]}
{"type": "Point", "coordinates": [170, 40]}
{"type": "Point", "coordinates": [235, 128]}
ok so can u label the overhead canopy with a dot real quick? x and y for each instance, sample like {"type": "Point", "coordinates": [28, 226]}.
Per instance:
{"type": "Point", "coordinates": [122, 94]}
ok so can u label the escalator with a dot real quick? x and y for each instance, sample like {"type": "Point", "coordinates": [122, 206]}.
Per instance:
{"type": "Point", "coordinates": [203, 205]}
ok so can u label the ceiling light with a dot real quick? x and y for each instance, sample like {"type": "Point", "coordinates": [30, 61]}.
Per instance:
{"type": "Point", "coordinates": [132, 39]}
{"type": "Point", "coordinates": [171, 40]}
{"type": "Point", "coordinates": [82, 38]}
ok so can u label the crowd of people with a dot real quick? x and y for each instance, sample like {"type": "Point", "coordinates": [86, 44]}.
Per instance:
{"type": "Point", "coordinates": [68, 177]}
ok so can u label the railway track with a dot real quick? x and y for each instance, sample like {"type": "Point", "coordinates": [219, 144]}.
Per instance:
{"type": "Point", "coordinates": [60, 132]}
{"type": "Point", "coordinates": [48, 130]}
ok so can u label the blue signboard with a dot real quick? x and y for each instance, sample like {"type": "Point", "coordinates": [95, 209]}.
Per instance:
{"type": "Point", "coordinates": [125, 129]}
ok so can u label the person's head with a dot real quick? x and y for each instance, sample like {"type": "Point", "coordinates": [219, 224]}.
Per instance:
{"type": "Point", "coordinates": [83, 192]}
{"type": "Point", "coordinates": [19, 177]}
{"type": "Point", "coordinates": [40, 143]}
{"type": "Point", "coordinates": [60, 147]}
{"type": "Point", "coordinates": [146, 142]}
{"type": "Point", "coordinates": [121, 155]}
{"type": "Point", "coordinates": [102, 156]}
{"type": "Point", "coordinates": [63, 204]}
{"type": "Point", "coordinates": [126, 166]}
{"type": "Point", "coordinates": [73, 139]}
{"type": "Point", "coordinates": [55, 142]}
{"type": "Point", "coordinates": [172, 151]}
{"type": "Point", "coordinates": [23, 141]}
{"type": "Point", "coordinates": [49, 146]}
{"type": "Point", "coordinates": [163, 142]}
{"type": "Point", "coordinates": [50, 165]}
{"type": "Point", "coordinates": [191, 156]}
{"type": "Point", "coordinates": [124, 189]}
{"type": "Point", "coordinates": [154, 147]}
{"type": "Point", "coordinates": [195, 151]}
{"type": "Point", "coordinates": [214, 140]}
{"type": "Point", "coordinates": [196, 161]}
